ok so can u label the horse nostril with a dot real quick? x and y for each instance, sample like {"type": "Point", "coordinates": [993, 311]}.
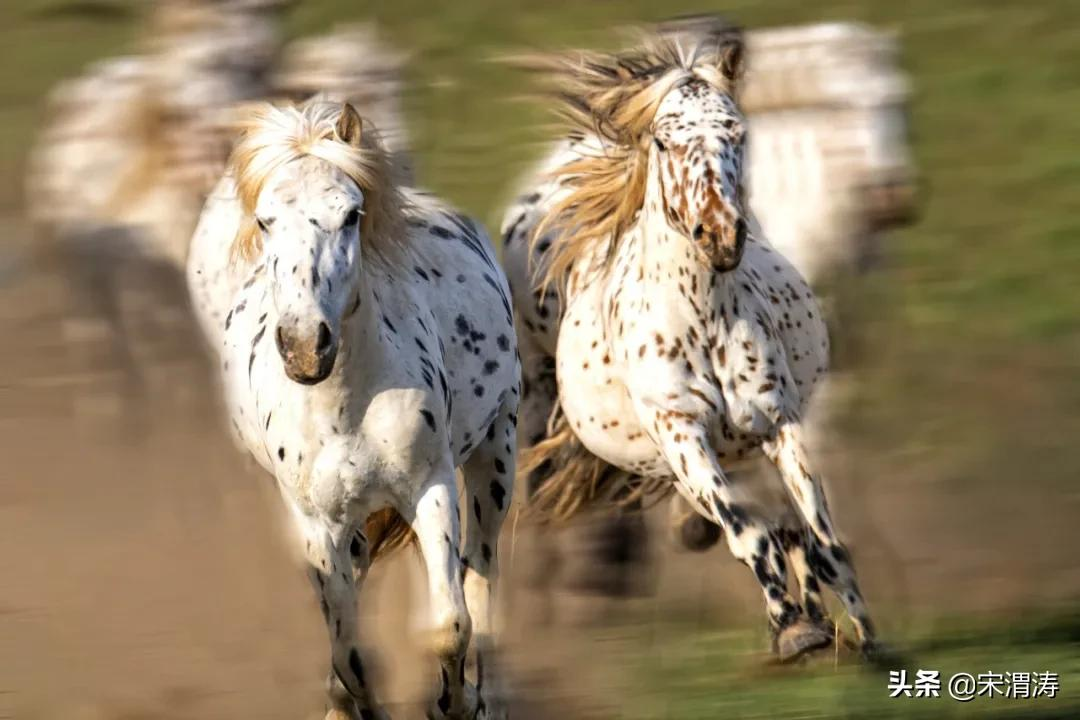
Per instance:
{"type": "Point", "coordinates": [279, 339]}
{"type": "Point", "coordinates": [322, 343]}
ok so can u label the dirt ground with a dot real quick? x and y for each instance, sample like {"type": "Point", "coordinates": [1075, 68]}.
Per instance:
{"type": "Point", "coordinates": [144, 572]}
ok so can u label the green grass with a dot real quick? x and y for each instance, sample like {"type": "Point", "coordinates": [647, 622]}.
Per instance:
{"type": "Point", "coordinates": [693, 675]}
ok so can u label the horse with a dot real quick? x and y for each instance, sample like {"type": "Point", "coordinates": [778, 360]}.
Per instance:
{"type": "Point", "coordinates": [121, 170]}
{"type": "Point", "coordinates": [351, 63]}
{"type": "Point", "coordinates": [366, 346]}
{"type": "Point", "coordinates": [829, 174]}
{"type": "Point", "coordinates": [682, 344]}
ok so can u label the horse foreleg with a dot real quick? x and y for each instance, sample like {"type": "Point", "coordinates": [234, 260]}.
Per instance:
{"type": "Point", "coordinates": [826, 556]}
{"type": "Point", "coordinates": [794, 536]}
{"type": "Point", "coordinates": [699, 479]}
{"type": "Point", "coordinates": [329, 552]}
{"type": "Point", "coordinates": [436, 526]}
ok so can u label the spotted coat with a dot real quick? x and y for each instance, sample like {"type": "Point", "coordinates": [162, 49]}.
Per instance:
{"type": "Point", "coordinates": [425, 381]}
{"type": "Point", "coordinates": [667, 367]}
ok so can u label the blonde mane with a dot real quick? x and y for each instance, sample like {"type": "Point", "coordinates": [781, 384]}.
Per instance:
{"type": "Point", "coordinates": [272, 136]}
{"type": "Point", "coordinates": [616, 96]}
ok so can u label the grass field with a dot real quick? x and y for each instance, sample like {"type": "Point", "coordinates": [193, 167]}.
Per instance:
{"type": "Point", "coordinates": [698, 676]}
{"type": "Point", "coordinates": [968, 339]}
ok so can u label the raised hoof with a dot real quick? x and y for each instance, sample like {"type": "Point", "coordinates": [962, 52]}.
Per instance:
{"type": "Point", "coordinates": [800, 638]}
{"type": "Point", "coordinates": [696, 534]}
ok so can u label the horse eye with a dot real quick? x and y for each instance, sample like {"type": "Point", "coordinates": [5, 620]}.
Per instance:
{"type": "Point", "coordinates": [352, 218]}
{"type": "Point", "coordinates": [659, 145]}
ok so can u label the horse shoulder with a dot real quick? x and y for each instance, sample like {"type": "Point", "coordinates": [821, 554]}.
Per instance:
{"type": "Point", "coordinates": [406, 428]}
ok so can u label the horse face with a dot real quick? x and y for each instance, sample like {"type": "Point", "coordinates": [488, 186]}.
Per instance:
{"type": "Point", "coordinates": [698, 142]}
{"type": "Point", "coordinates": [309, 215]}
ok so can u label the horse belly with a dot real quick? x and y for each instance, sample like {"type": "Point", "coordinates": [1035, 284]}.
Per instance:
{"type": "Point", "coordinates": [595, 400]}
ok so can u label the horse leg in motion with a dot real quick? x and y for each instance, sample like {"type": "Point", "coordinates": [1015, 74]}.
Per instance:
{"type": "Point", "coordinates": [437, 529]}
{"type": "Point", "coordinates": [336, 560]}
{"type": "Point", "coordinates": [700, 479]}
{"type": "Point", "coordinates": [539, 395]}
{"type": "Point", "coordinates": [826, 556]}
{"type": "Point", "coordinates": [795, 538]}
{"type": "Point", "coordinates": [489, 485]}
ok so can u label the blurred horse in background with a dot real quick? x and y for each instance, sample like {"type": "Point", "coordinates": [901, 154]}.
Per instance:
{"type": "Point", "coordinates": [131, 148]}
{"type": "Point", "coordinates": [119, 174]}
{"type": "Point", "coordinates": [352, 64]}
{"type": "Point", "coordinates": [828, 174]}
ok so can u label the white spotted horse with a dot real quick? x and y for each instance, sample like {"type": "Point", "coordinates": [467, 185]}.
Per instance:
{"type": "Point", "coordinates": [682, 344]}
{"type": "Point", "coordinates": [366, 343]}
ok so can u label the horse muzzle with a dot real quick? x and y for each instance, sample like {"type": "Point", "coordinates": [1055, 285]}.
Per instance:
{"type": "Point", "coordinates": [308, 358]}
{"type": "Point", "coordinates": [722, 250]}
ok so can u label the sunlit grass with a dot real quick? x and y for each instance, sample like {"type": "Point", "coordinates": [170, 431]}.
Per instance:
{"type": "Point", "coordinates": [690, 675]}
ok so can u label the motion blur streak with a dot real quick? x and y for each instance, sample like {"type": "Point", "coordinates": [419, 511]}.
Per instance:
{"type": "Point", "coordinates": [927, 148]}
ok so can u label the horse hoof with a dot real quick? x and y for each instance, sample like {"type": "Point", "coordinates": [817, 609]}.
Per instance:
{"type": "Point", "coordinates": [470, 711]}
{"type": "Point", "coordinates": [698, 534]}
{"type": "Point", "coordinates": [690, 531]}
{"type": "Point", "coordinates": [800, 638]}
{"type": "Point", "coordinates": [881, 657]}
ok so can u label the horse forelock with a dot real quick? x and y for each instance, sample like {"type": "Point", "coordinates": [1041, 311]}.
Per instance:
{"type": "Point", "coordinates": [273, 136]}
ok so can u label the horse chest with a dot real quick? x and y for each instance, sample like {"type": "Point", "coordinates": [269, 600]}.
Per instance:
{"type": "Point", "coordinates": [719, 355]}
{"type": "Point", "coordinates": [285, 427]}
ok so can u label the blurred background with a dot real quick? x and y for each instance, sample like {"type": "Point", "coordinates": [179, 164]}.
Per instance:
{"type": "Point", "coordinates": [143, 572]}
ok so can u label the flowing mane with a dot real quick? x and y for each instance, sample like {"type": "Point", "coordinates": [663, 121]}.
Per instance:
{"type": "Point", "coordinates": [272, 136]}
{"type": "Point", "coordinates": [615, 96]}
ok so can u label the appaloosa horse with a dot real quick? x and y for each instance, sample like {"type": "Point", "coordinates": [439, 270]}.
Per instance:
{"type": "Point", "coordinates": [367, 349]}
{"type": "Point", "coordinates": [683, 344]}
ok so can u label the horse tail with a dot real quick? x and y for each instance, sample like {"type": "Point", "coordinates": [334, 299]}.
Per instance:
{"type": "Point", "coordinates": [576, 479]}
{"type": "Point", "coordinates": [386, 532]}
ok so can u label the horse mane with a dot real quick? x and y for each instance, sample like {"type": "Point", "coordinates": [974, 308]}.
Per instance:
{"type": "Point", "coordinates": [273, 135]}
{"type": "Point", "coordinates": [616, 96]}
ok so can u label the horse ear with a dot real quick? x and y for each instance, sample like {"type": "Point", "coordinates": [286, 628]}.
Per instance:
{"type": "Point", "coordinates": [349, 126]}
{"type": "Point", "coordinates": [731, 58]}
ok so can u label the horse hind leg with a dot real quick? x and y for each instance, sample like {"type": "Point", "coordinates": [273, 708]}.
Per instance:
{"type": "Point", "coordinates": [489, 484]}
{"type": "Point", "coordinates": [690, 530]}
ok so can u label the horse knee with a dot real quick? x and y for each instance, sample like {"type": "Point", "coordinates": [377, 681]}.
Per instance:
{"type": "Point", "coordinates": [450, 636]}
